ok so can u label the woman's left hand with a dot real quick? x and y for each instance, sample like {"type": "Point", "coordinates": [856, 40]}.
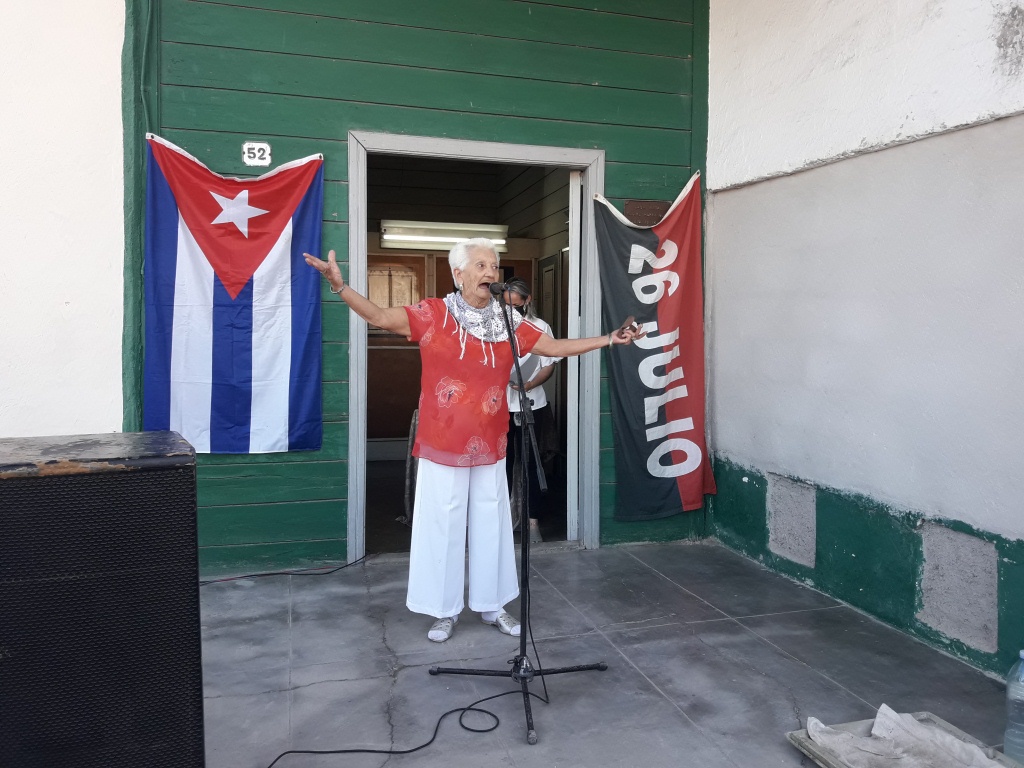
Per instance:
{"type": "Point", "coordinates": [628, 332]}
{"type": "Point", "coordinates": [329, 269]}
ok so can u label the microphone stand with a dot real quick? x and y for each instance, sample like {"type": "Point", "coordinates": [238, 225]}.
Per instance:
{"type": "Point", "coordinates": [522, 670]}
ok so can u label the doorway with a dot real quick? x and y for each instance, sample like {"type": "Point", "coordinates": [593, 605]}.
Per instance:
{"type": "Point", "coordinates": [377, 451]}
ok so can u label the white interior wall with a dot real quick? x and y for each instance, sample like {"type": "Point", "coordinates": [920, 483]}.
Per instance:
{"type": "Point", "coordinates": [794, 83]}
{"type": "Point", "coordinates": [61, 213]}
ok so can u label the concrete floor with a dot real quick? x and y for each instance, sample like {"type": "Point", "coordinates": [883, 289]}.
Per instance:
{"type": "Point", "coordinates": [711, 660]}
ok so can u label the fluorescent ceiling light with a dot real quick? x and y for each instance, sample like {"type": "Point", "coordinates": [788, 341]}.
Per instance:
{"type": "Point", "coordinates": [436, 235]}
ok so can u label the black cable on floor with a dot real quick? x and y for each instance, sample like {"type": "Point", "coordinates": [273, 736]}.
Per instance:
{"type": "Point", "coordinates": [471, 708]}
{"type": "Point", "coordinates": [299, 572]}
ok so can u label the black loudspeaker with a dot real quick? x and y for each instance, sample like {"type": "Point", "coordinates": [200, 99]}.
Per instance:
{"type": "Point", "coordinates": [100, 651]}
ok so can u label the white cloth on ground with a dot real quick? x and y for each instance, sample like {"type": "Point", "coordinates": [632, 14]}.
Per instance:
{"type": "Point", "coordinates": [446, 499]}
{"type": "Point", "coordinates": [898, 741]}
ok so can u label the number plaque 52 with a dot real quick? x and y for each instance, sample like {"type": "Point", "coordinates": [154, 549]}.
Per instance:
{"type": "Point", "coordinates": [256, 153]}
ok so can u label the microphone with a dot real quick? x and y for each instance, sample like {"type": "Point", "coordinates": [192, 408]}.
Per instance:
{"type": "Point", "coordinates": [498, 288]}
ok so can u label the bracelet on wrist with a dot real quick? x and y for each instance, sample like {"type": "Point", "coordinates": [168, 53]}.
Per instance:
{"type": "Point", "coordinates": [343, 287]}
{"type": "Point", "coordinates": [610, 335]}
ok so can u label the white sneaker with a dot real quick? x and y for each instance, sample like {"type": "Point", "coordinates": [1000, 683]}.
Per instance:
{"type": "Point", "coordinates": [505, 624]}
{"type": "Point", "coordinates": [442, 629]}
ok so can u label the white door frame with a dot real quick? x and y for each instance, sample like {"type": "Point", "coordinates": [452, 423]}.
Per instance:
{"type": "Point", "coordinates": [584, 371]}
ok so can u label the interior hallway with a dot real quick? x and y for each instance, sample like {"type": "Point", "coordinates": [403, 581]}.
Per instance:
{"type": "Point", "coordinates": [712, 659]}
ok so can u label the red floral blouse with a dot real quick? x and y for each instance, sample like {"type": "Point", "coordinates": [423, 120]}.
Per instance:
{"type": "Point", "coordinates": [463, 420]}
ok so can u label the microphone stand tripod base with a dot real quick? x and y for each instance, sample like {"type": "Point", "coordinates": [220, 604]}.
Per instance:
{"type": "Point", "coordinates": [522, 672]}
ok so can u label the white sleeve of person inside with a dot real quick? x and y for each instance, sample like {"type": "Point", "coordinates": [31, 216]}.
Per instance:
{"type": "Point", "coordinates": [530, 365]}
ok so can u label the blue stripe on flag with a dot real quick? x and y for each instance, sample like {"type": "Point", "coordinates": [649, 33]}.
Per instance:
{"type": "Point", "coordinates": [305, 413]}
{"type": "Point", "coordinates": [160, 264]}
{"type": "Point", "coordinates": [231, 398]}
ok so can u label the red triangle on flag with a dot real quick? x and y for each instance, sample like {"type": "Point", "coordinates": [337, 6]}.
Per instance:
{"type": "Point", "coordinates": [235, 221]}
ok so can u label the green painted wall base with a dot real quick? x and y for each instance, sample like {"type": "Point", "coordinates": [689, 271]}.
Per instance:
{"type": "Point", "coordinates": [868, 555]}
{"type": "Point", "coordinates": [241, 559]}
{"type": "Point", "coordinates": [684, 526]}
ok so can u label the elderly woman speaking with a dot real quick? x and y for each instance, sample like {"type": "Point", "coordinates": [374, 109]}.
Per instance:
{"type": "Point", "coordinates": [461, 437]}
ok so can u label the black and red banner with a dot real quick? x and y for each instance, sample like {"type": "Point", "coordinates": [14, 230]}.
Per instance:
{"type": "Point", "coordinates": [657, 384]}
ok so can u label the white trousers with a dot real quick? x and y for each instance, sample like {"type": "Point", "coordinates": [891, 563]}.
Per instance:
{"type": "Point", "coordinates": [446, 499]}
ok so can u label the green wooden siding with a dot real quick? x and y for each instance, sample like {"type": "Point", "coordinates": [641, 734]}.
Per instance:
{"type": "Point", "coordinates": [625, 77]}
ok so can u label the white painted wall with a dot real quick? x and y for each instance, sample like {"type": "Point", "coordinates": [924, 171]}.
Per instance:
{"type": "Point", "coordinates": [61, 214]}
{"type": "Point", "coordinates": [797, 82]}
{"type": "Point", "coordinates": [865, 325]}
{"type": "Point", "coordinates": [865, 307]}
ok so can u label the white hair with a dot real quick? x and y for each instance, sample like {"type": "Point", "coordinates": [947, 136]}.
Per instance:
{"type": "Point", "coordinates": [458, 257]}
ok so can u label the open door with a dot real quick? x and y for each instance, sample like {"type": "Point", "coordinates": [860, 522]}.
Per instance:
{"type": "Point", "coordinates": [583, 377]}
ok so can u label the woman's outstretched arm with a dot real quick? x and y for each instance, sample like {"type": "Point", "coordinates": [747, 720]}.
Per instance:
{"type": "Point", "coordinates": [392, 319]}
{"type": "Point", "coordinates": [550, 347]}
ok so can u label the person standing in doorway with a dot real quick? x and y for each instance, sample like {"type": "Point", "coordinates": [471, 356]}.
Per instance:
{"type": "Point", "coordinates": [536, 369]}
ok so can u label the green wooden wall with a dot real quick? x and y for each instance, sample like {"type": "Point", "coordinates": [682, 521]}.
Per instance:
{"type": "Point", "coordinates": [626, 76]}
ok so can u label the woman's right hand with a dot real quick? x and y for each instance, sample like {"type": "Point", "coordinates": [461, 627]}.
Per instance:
{"type": "Point", "coordinates": [329, 269]}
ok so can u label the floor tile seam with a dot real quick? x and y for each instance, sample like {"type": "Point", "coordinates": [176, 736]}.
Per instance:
{"type": "Point", "coordinates": [561, 636]}
{"type": "Point", "coordinates": [255, 694]}
{"type": "Point", "coordinates": [679, 586]}
{"type": "Point", "coordinates": [725, 614]}
{"type": "Point", "coordinates": [772, 572]}
{"type": "Point", "coordinates": [921, 641]}
{"type": "Point", "coordinates": [737, 621]}
{"type": "Point", "coordinates": [654, 686]}
{"type": "Point", "coordinates": [596, 629]}
{"type": "Point", "coordinates": [394, 663]}
{"type": "Point", "coordinates": [292, 687]}
{"type": "Point", "coordinates": [621, 627]}
{"type": "Point", "coordinates": [617, 628]}
{"type": "Point", "coordinates": [803, 663]}
{"type": "Point", "coordinates": [627, 626]}
{"type": "Point", "coordinates": [291, 659]}
{"type": "Point", "coordinates": [861, 612]}
{"type": "Point", "coordinates": [389, 708]}
{"type": "Point", "coordinates": [787, 613]}
{"type": "Point", "coordinates": [672, 702]}
{"type": "Point", "coordinates": [370, 654]}
{"type": "Point", "coordinates": [907, 636]}
{"type": "Point", "coordinates": [384, 675]}
{"type": "Point", "coordinates": [471, 661]}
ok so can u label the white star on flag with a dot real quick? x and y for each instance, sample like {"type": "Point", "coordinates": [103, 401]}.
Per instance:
{"type": "Point", "coordinates": [237, 211]}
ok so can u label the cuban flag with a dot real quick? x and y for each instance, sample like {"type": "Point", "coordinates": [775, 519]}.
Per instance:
{"type": "Point", "coordinates": [232, 359]}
